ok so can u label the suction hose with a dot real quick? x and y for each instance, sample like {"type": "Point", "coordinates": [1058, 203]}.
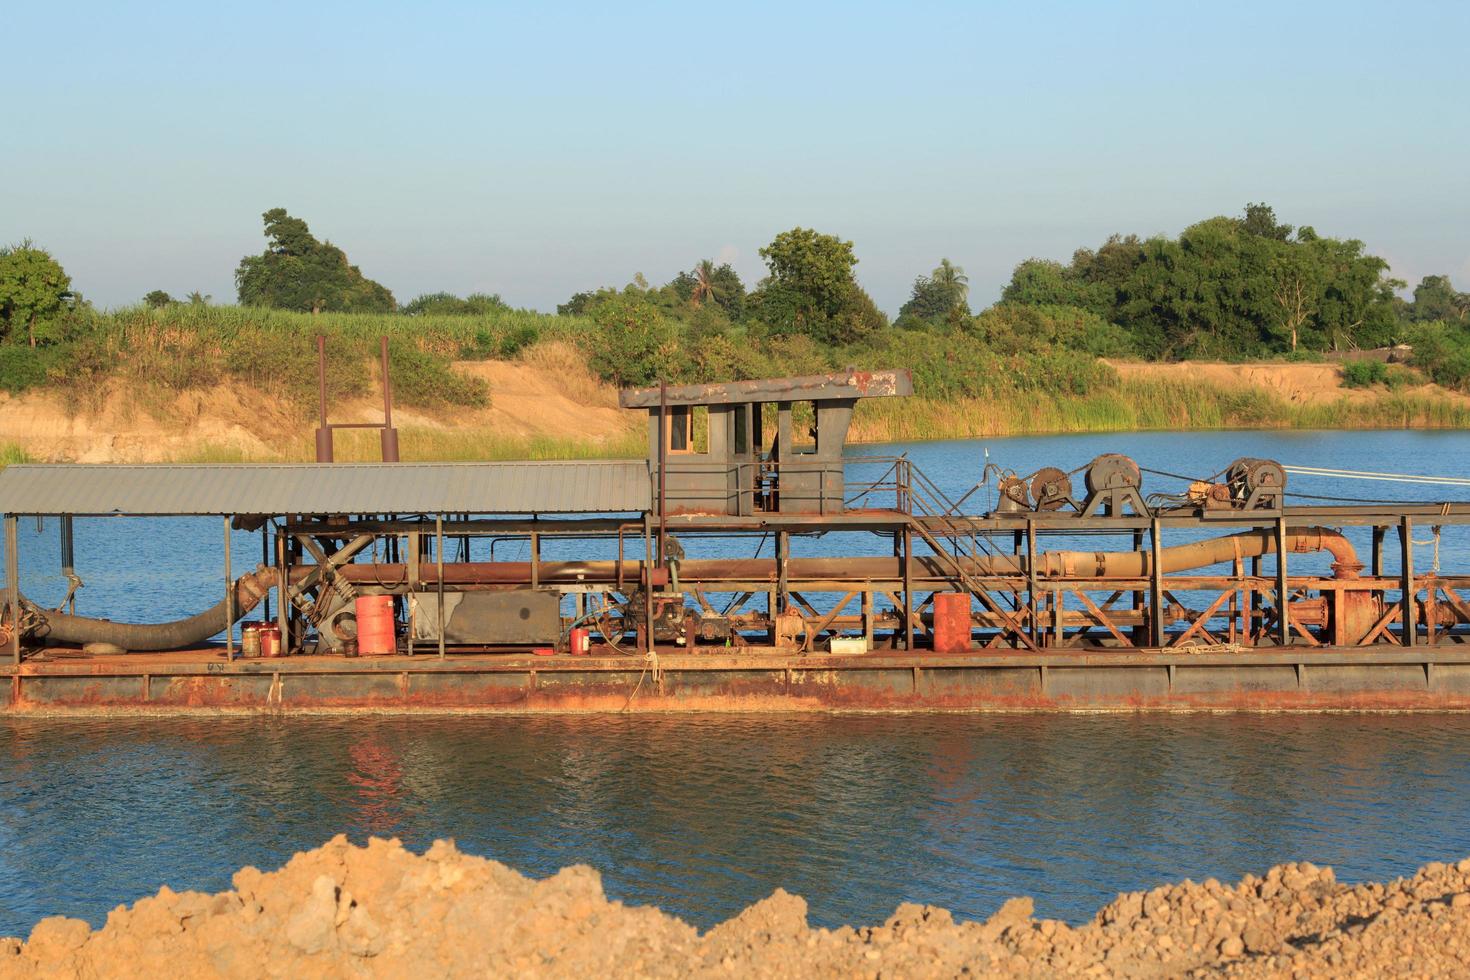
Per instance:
{"type": "Point", "coordinates": [62, 628]}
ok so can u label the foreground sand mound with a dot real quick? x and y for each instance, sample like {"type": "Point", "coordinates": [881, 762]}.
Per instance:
{"type": "Point", "coordinates": [380, 911]}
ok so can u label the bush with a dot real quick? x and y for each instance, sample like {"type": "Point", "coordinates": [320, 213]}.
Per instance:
{"type": "Point", "coordinates": [23, 366]}
{"type": "Point", "coordinates": [1364, 374]}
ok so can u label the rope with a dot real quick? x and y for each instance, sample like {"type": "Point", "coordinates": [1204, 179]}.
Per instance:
{"type": "Point", "coordinates": [649, 659]}
{"type": "Point", "coordinates": [1447, 481]}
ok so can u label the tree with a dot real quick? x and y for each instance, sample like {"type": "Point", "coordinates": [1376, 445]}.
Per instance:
{"type": "Point", "coordinates": [952, 278]}
{"type": "Point", "coordinates": [34, 290]}
{"type": "Point", "coordinates": [1435, 298]}
{"type": "Point", "coordinates": [448, 304]}
{"type": "Point", "coordinates": [938, 297]}
{"type": "Point", "coordinates": [196, 298]}
{"type": "Point", "coordinates": [710, 283]}
{"type": "Point", "coordinates": [811, 289]}
{"type": "Point", "coordinates": [1296, 288]}
{"type": "Point", "coordinates": [157, 299]}
{"type": "Point", "coordinates": [298, 272]}
{"type": "Point", "coordinates": [635, 344]}
{"type": "Point", "coordinates": [1260, 219]}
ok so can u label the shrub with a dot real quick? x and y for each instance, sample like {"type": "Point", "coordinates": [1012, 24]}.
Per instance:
{"type": "Point", "coordinates": [1364, 374]}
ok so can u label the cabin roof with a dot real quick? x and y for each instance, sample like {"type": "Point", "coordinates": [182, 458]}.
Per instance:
{"type": "Point", "coordinates": [806, 388]}
{"type": "Point", "coordinates": [580, 487]}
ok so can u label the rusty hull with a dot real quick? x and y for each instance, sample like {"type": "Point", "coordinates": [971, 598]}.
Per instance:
{"type": "Point", "coordinates": [763, 680]}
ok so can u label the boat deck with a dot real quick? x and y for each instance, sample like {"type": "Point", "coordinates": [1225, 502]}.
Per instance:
{"type": "Point", "coordinates": [1387, 678]}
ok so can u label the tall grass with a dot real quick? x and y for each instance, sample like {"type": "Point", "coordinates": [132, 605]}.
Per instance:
{"type": "Point", "coordinates": [11, 453]}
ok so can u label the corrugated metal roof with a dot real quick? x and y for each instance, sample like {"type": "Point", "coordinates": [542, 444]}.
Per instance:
{"type": "Point", "coordinates": [328, 488]}
{"type": "Point", "coordinates": [811, 387]}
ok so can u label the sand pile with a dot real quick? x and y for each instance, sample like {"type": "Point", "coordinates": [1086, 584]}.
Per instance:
{"type": "Point", "coordinates": [346, 911]}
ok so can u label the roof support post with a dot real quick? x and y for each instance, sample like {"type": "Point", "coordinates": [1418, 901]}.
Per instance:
{"type": "Point", "coordinates": [1283, 600]}
{"type": "Point", "coordinates": [12, 584]}
{"type": "Point", "coordinates": [229, 598]}
{"type": "Point", "coordinates": [1406, 544]}
{"type": "Point", "coordinates": [1156, 585]}
{"type": "Point", "coordinates": [439, 576]}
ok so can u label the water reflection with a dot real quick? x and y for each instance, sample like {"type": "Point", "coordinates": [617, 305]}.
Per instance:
{"type": "Point", "coordinates": [703, 815]}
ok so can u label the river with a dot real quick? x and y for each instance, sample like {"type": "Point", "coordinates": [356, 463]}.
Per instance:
{"type": "Point", "coordinates": [703, 815]}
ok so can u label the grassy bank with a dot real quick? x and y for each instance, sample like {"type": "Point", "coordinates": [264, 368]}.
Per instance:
{"type": "Point", "coordinates": [1134, 405]}
{"type": "Point", "coordinates": [969, 382]}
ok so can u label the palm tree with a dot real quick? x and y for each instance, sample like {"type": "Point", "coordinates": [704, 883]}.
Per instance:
{"type": "Point", "coordinates": [953, 278]}
{"type": "Point", "coordinates": [704, 283]}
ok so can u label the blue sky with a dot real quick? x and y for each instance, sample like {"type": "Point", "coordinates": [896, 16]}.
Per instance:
{"type": "Point", "coordinates": [536, 150]}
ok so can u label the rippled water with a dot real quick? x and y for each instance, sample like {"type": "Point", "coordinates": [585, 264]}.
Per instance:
{"type": "Point", "coordinates": [702, 815]}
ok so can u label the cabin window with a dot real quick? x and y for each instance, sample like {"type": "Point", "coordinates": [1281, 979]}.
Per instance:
{"type": "Point", "coordinates": [804, 427]}
{"type": "Point", "coordinates": [742, 430]}
{"type": "Point", "coordinates": [680, 424]}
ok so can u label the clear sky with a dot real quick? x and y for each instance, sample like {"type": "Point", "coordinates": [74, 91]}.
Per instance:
{"type": "Point", "coordinates": [539, 149]}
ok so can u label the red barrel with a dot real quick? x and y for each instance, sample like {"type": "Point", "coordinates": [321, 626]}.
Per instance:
{"type": "Point", "coordinates": [581, 641]}
{"type": "Point", "coordinates": [376, 631]}
{"type": "Point", "coordinates": [270, 640]}
{"type": "Point", "coordinates": [951, 622]}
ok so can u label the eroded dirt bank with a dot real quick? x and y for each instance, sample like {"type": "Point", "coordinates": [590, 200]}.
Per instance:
{"type": "Point", "coordinates": [379, 910]}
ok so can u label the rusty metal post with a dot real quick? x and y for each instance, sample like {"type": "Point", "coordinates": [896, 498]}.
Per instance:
{"type": "Point", "coordinates": [1156, 586]}
{"type": "Point", "coordinates": [663, 462]}
{"type": "Point", "coordinates": [648, 645]}
{"type": "Point", "coordinates": [535, 560]}
{"type": "Point", "coordinates": [1139, 633]}
{"type": "Point", "coordinates": [323, 431]}
{"type": "Point", "coordinates": [12, 583]}
{"type": "Point", "coordinates": [1031, 583]}
{"type": "Point", "coordinates": [69, 561]}
{"type": "Point", "coordinates": [265, 560]}
{"type": "Point", "coordinates": [389, 435]}
{"type": "Point", "coordinates": [783, 560]}
{"type": "Point", "coordinates": [1379, 533]}
{"type": "Point", "coordinates": [229, 598]}
{"type": "Point", "coordinates": [415, 587]}
{"type": "Point", "coordinates": [1283, 605]}
{"type": "Point", "coordinates": [908, 588]}
{"type": "Point", "coordinates": [439, 575]}
{"type": "Point", "coordinates": [1406, 544]}
{"type": "Point", "coordinates": [283, 585]}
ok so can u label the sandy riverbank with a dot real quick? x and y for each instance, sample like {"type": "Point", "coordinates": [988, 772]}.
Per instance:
{"type": "Point", "coordinates": [380, 910]}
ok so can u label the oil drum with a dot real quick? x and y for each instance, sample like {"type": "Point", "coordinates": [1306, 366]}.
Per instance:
{"type": "Point", "coordinates": [376, 630]}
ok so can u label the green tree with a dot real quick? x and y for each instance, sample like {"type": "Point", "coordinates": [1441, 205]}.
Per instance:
{"type": "Point", "coordinates": [157, 298]}
{"type": "Point", "coordinates": [298, 272]}
{"type": "Point", "coordinates": [1435, 298]}
{"type": "Point", "coordinates": [34, 290]}
{"type": "Point", "coordinates": [448, 304]}
{"type": "Point", "coordinates": [714, 284]}
{"type": "Point", "coordinates": [938, 297]}
{"type": "Point", "coordinates": [634, 343]}
{"type": "Point", "coordinates": [811, 289]}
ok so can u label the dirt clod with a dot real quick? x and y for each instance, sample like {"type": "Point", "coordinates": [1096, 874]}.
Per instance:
{"type": "Point", "coordinates": [379, 910]}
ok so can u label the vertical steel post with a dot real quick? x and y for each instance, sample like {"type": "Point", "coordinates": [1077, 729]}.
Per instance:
{"type": "Point", "coordinates": [535, 560]}
{"type": "Point", "coordinates": [415, 585]}
{"type": "Point", "coordinates": [1406, 544]}
{"type": "Point", "coordinates": [283, 585]}
{"type": "Point", "coordinates": [439, 576]}
{"type": "Point", "coordinates": [69, 560]}
{"type": "Point", "coordinates": [663, 463]}
{"type": "Point", "coordinates": [1283, 601]}
{"type": "Point", "coordinates": [265, 559]}
{"type": "Point", "coordinates": [1156, 586]}
{"type": "Point", "coordinates": [1139, 633]}
{"type": "Point", "coordinates": [1379, 533]}
{"type": "Point", "coordinates": [783, 579]}
{"type": "Point", "coordinates": [647, 632]}
{"type": "Point", "coordinates": [389, 437]}
{"type": "Point", "coordinates": [229, 598]}
{"type": "Point", "coordinates": [908, 588]}
{"type": "Point", "coordinates": [1031, 585]}
{"type": "Point", "coordinates": [323, 431]}
{"type": "Point", "coordinates": [12, 583]}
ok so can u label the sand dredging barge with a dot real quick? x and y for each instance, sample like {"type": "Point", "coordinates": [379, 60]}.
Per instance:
{"type": "Point", "coordinates": [750, 563]}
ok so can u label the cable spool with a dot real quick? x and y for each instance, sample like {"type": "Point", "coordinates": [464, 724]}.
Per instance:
{"type": "Point", "coordinates": [1013, 494]}
{"type": "Point", "coordinates": [1248, 474]}
{"type": "Point", "coordinates": [1051, 488]}
{"type": "Point", "coordinates": [1112, 471]}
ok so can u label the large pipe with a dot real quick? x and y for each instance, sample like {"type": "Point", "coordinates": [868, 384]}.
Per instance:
{"type": "Point", "coordinates": [1198, 554]}
{"type": "Point", "coordinates": [63, 628]}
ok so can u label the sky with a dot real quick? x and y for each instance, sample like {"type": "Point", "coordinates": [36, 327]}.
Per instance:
{"type": "Point", "coordinates": [535, 150]}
